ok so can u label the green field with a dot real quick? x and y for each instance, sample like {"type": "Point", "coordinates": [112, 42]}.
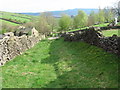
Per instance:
{"type": "Point", "coordinates": [13, 24]}
{"type": "Point", "coordinates": [21, 18]}
{"type": "Point", "coordinates": [9, 21]}
{"type": "Point", "coordinates": [59, 64]}
{"type": "Point", "coordinates": [111, 32]}
{"type": "Point", "coordinates": [100, 25]}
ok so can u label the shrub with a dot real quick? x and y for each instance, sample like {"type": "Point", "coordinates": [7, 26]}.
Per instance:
{"type": "Point", "coordinates": [8, 28]}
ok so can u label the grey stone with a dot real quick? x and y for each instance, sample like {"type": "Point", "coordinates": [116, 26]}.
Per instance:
{"type": "Point", "coordinates": [12, 46]}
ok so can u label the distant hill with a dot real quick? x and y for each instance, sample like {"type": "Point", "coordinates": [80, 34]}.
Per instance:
{"type": "Point", "coordinates": [69, 12]}
{"type": "Point", "coordinates": [33, 14]}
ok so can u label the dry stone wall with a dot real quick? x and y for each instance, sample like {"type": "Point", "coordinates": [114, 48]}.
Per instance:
{"type": "Point", "coordinates": [93, 37]}
{"type": "Point", "coordinates": [11, 46]}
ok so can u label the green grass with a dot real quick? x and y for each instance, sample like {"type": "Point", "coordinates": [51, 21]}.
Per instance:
{"type": "Point", "coordinates": [77, 29]}
{"type": "Point", "coordinates": [62, 64]}
{"type": "Point", "coordinates": [100, 25]}
{"type": "Point", "coordinates": [13, 24]}
{"type": "Point", "coordinates": [118, 23]}
{"type": "Point", "coordinates": [21, 18]}
{"type": "Point", "coordinates": [111, 32]}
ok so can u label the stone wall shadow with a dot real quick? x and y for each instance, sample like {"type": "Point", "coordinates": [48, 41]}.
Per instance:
{"type": "Point", "coordinates": [53, 52]}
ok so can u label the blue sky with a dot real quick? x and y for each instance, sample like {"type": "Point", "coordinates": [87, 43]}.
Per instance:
{"type": "Point", "coordinates": [51, 5]}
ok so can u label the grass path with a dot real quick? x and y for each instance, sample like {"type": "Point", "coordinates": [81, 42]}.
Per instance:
{"type": "Point", "coordinates": [60, 64]}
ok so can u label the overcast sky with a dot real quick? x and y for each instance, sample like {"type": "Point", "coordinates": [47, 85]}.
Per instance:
{"type": "Point", "coordinates": [50, 5]}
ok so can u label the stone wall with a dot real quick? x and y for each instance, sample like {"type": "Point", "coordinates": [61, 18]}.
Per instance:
{"type": "Point", "coordinates": [93, 37]}
{"type": "Point", "coordinates": [11, 46]}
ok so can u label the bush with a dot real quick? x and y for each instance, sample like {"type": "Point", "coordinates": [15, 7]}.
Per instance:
{"type": "Point", "coordinates": [7, 28]}
{"type": "Point", "coordinates": [29, 25]}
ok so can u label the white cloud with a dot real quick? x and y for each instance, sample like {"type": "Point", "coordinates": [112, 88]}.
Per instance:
{"type": "Point", "coordinates": [50, 5]}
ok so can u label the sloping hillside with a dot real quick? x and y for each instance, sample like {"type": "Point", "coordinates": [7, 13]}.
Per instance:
{"type": "Point", "coordinates": [15, 17]}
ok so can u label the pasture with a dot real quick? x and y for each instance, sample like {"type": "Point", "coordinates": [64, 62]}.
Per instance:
{"type": "Point", "coordinates": [99, 25]}
{"type": "Point", "coordinates": [111, 32]}
{"type": "Point", "coordinates": [61, 64]}
{"type": "Point", "coordinates": [21, 18]}
{"type": "Point", "coordinates": [12, 24]}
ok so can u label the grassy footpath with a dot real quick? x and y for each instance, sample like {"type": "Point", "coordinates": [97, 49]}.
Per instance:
{"type": "Point", "coordinates": [62, 65]}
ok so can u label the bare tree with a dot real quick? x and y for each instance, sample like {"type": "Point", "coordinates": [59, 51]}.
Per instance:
{"type": "Point", "coordinates": [116, 9]}
{"type": "Point", "coordinates": [51, 21]}
{"type": "Point", "coordinates": [108, 14]}
{"type": "Point", "coordinates": [92, 18]}
{"type": "Point", "coordinates": [46, 23]}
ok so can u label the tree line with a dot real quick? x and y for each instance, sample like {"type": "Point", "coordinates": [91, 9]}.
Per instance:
{"type": "Point", "coordinates": [47, 23]}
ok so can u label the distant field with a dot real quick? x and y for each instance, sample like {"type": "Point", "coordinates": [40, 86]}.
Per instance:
{"type": "Point", "coordinates": [3, 21]}
{"type": "Point", "coordinates": [21, 18]}
{"type": "Point", "coordinates": [100, 25]}
{"type": "Point", "coordinates": [111, 32]}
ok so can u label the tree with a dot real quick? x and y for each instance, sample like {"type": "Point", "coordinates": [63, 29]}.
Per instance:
{"type": "Point", "coordinates": [80, 20]}
{"type": "Point", "coordinates": [65, 22]}
{"type": "Point", "coordinates": [116, 9]}
{"type": "Point", "coordinates": [29, 25]}
{"type": "Point", "coordinates": [92, 18]}
{"type": "Point", "coordinates": [46, 23]}
{"type": "Point", "coordinates": [108, 14]}
{"type": "Point", "coordinates": [51, 21]}
{"type": "Point", "coordinates": [42, 26]}
{"type": "Point", "coordinates": [100, 17]}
